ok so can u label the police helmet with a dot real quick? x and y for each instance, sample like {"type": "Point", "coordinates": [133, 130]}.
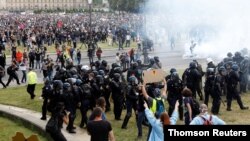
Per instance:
{"type": "Point", "coordinates": [173, 70]}
{"type": "Point", "coordinates": [73, 71]}
{"type": "Point", "coordinates": [78, 82]}
{"type": "Point", "coordinates": [156, 58]}
{"type": "Point", "coordinates": [133, 80]}
{"type": "Point", "coordinates": [85, 67]}
{"type": "Point", "coordinates": [99, 79]}
{"type": "Point", "coordinates": [117, 70]}
{"type": "Point", "coordinates": [152, 60]}
{"type": "Point", "coordinates": [97, 63]}
{"type": "Point", "coordinates": [66, 85]}
{"type": "Point", "coordinates": [104, 63]}
{"type": "Point", "coordinates": [117, 76]}
{"type": "Point", "coordinates": [175, 76]}
{"type": "Point", "coordinates": [235, 67]}
{"type": "Point", "coordinates": [222, 68]}
{"type": "Point", "coordinates": [114, 65]}
{"type": "Point", "coordinates": [95, 72]}
{"type": "Point", "coordinates": [71, 81]}
{"type": "Point", "coordinates": [229, 54]}
{"type": "Point", "coordinates": [237, 54]}
{"type": "Point", "coordinates": [57, 84]}
{"type": "Point", "coordinates": [101, 72]}
{"type": "Point", "coordinates": [192, 65]}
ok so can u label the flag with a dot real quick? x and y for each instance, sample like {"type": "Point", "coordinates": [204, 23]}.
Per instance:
{"type": "Point", "coordinates": [59, 24]}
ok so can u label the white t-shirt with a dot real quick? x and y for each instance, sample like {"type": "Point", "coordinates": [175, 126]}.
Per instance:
{"type": "Point", "coordinates": [117, 59]}
{"type": "Point", "coordinates": [22, 67]}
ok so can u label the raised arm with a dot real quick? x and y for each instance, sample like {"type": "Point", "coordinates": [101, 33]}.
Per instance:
{"type": "Point", "coordinates": [164, 93]}
{"type": "Point", "coordinates": [144, 92]}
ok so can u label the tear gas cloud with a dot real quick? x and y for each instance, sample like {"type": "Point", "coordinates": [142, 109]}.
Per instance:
{"type": "Point", "coordinates": [217, 26]}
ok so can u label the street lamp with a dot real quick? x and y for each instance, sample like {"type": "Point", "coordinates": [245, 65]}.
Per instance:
{"type": "Point", "coordinates": [90, 12]}
{"type": "Point", "coordinates": [145, 38]}
{"type": "Point", "coordinates": [91, 49]}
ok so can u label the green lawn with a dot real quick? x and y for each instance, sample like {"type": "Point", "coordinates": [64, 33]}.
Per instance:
{"type": "Point", "coordinates": [51, 49]}
{"type": "Point", "coordinates": [9, 128]}
{"type": "Point", "coordinates": [19, 97]}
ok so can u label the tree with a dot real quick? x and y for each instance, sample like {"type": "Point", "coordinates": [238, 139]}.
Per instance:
{"type": "Point", "coordinates": [126, 5]}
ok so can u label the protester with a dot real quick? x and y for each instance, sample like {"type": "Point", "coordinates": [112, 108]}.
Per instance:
{"type": "Point", "coordinates": [98, 129]}
{"type": "Point", "coordinates": [101, 103]}
{"type": "Point", "coordinates": [32, 81]}
{"type": "Point", "coordinates": [99, 53]}
{"type": "Point", "coordinates": [157, 124]}
{"type": "Point", "coordinates": [204, 116]}
{"type": "Point", "coordinates": [11, 70]}
{"type": "Point", "coordinates": [23, 68]}
{"type": "Point", "coordinates": [188, 100]}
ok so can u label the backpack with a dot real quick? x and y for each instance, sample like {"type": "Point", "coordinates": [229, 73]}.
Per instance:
{"type": "Point", "coordinates": [160, 108]}
{"type": "Point", "coordinates": [207, 121]}
{"type": "Point", "coordinates": [195, 105]}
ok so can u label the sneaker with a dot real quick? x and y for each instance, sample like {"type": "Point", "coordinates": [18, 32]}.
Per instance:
{"type": "Point", "coordinates": [229, 109]}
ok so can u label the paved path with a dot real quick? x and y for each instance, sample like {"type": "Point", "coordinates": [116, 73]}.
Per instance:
{"type": "Point", "coordinates": [34, 118]}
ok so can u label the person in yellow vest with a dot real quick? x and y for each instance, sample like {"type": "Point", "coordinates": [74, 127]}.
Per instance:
{"type": "Point", "coordinates": [32, 80]}
{"type": "Point", "coordinates": [160, 97]}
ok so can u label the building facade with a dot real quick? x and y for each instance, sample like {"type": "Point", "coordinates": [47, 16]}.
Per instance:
{"type": "Point", "coordinates": [44, 4]}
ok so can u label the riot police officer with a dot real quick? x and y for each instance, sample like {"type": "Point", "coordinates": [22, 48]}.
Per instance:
{"type": "Point", "coordinates": [217, 88]}
{"type": "Point", "coordinates": [209, 83]}
{"type": "Point", "coordinates": [117, 95]}
{"type": "Point", "coordinates": [131, 99]}
{"type": "Point", "coordinates": [70, 106]}
{"type": "Point", "coordinates": [174, 88]}
{"type": "Point", "coordinates": [190, 78]}
{"type": "Point", "coordinates": [47, 91]}
{"type": "Point", "coordinates": [232, 91]}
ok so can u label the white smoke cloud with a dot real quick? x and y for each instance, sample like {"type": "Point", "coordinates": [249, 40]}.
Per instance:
{"type": "Point", "coordinates": [222, 25]}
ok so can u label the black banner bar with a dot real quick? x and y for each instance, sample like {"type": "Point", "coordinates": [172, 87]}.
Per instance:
{"type": "Point", "coordinates": [201, 131]}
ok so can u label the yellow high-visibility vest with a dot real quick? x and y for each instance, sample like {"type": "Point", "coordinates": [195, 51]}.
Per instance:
{"type": "Point", "coordinates": [153, 108]}
{"type": "Point", "coordinates": [32, 77]}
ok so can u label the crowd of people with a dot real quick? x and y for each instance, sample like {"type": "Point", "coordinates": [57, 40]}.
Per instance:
{"type": "Point", "coordinates": [70, 85]}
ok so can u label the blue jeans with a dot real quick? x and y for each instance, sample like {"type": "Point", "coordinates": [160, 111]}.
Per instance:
{"type": "Point", "coordinates": [38, 64]}
{"type": "Point", "coordinates": [24, 78]}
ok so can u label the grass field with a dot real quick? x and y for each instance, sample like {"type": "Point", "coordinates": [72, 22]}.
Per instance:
{"type": "Point", "coordinates": [19, 97]}
{"type": "Point", "coordinates": [9, 128]}
{"type": "Point", "coordinates": [51, 49]}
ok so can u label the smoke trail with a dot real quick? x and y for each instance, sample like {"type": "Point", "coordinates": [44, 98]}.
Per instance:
{"type": "Point", "coordinates": [217, 26]}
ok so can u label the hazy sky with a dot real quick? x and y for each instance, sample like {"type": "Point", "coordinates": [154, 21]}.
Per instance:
{"type": "Point", "coordinates": [228, 19]}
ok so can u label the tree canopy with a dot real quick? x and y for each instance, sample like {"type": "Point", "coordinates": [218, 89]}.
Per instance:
{"type": "Point", "coordinates": [126, 5]}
